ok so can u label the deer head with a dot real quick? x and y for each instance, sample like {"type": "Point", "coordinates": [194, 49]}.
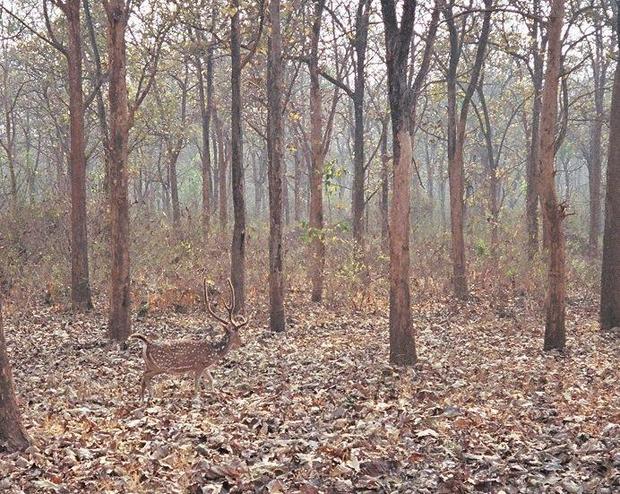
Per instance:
{"type": "Point", "coordinates": [232, 324]}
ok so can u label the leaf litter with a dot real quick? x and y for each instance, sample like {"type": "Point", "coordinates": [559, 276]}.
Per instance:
{"type": "Point", "coordinates": [319, 409]}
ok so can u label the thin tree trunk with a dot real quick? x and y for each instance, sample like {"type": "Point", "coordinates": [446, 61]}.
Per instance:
{"type": "Point", "coordinates": [599, 66]}
{"type": "Point", "coordinates": [119, 325]}
{"type": "Point", "coordinates": [297, 188]}
{"type": "Point", "coordinates": [11, 430]}
{"type": "Point", "coordinates": [101, 112]}
{"type": "Point", "coordinates": [610, 273]}
{"type": "Point", "coordinates": [317, 244]}
{"type": "Point", "coordinates": [275, 150]}
{"type": "Point", "coordinates": [173, 157]}
{"type": "Point", "coordinates": [456, 140]}
{"type": "Point", "coordinates": [205, 114]}
{"type": "Point", "coordinates": [237, 249]}
{"type": "Point", "coordinates": [531, 200]}
{"type": "Point", "coordinates": [286, 203]}
{"type": "Point", "coordinates": [360, 43]}
{"type": "Point", "coordinates": [385, 159]}
{"type": "Point", "coordinates": [222, 156]}
{"type": "Point", "coordinates": [555, 335]}
{"type": "Point", "coordinates": [215, 197]}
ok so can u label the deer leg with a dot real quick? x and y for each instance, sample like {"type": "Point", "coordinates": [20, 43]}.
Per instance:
{"type": "Point", "coordinates": [210, 380]}
{"type": "Point", "coordinates": [146, 383]}
{"type": "Point", "coordinates": [197, 382]}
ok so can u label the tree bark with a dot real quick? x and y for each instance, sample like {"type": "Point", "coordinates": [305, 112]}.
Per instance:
{"type": "Point", "coordinates": [297, 187]}
{"type": "Point", "coordinates": [456, 140]}
{"type": "Point", "coordinates": [222, 158]}
{"type": "Point", "coordinates": [101, 111]}
{"type": "Point", "coordinates": [119, 325]}
{"type": "Point", "coordinates": [398, 41]}
{"type": "Point", "coordinates": [11, 430]}
{"type": "Point", "coordinates": [610, 272]}
{"type": "Point", "coordinates": [317, 244]}
{"type": "Point", "coordinates": [172, 153]}
{"type": "Point", "coordinates": [385, 159]}
{"type": "Point", "coordinates": [599, 70]}
{"type": "Point", "coordinates": [205, 102]}
{"type": "Point", "coordinates": [555, 335]}
{"type": "Point", "coordinates": [360, 43]}
{"type": "Point", "coordinates": [80, 286]}
{"type": "Point", "coordinates": [237, 249]}
{"type": "Point", "coordinates": [275, 150]}
{"type": "Point", "coordinates": [531, 199]}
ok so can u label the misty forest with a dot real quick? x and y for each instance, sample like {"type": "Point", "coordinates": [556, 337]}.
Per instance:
{"type": "Point", "coordinates": [310, 246]}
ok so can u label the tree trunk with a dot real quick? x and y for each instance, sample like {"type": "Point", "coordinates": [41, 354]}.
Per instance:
{"type": "Point", "coordinates": [286, 203]}
{"type": "Point", "coordinates": [385, 159]}
{"type": "Point", "coordinates": [317, 244]}
{"type": "Point", "coordinates": [101, 112]}
{"type": "Point", "coordinates": [555, 336]}
{"type": "Point", "coordinates": [456, 140]}
{"type": "Point", "coordinates": [119, 325]}
{"type": "Point", "coordinates": [531, 199]}
{"type": "Point", "coordinates": [610, 275]}
{"type": "Point", "coordinates": [11, 430]}
{"type": "Point", "coordinates": [402, 342]}
{"type": "Point", "coordinates": [205, 114]}
{"type": "Point", "coordinates": [297, 188]}
{"type": "Point", "coordinates": [237, 249]}
{"type": "Point", "coordinates": [222, 165]}
{"type": "Point", "coordinates": [398, 41]}
{"type": "Point", "coordinates": [80, 286]}
{"type": "Point", "coordinates": [173, 156]}
{"type": "Point", "coordinates": [599, 66]}
{"type": "Point", "coordinates": [275, 150]}
{"type": "Point", "coordinates": [357, 195]}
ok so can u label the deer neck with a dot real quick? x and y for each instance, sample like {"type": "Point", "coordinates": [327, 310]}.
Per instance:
{"type": "Point", "coordinates": [224, 345]}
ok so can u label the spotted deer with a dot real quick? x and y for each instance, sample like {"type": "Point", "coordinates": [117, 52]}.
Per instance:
{"type": "Point", "coordinates": [191, 356]}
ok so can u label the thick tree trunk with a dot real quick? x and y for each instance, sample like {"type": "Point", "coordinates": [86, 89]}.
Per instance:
{"type": "Point", "coordinates": [397, 41]}
{"type": "Point", "coordinates": [610, 275]}
{"type": "Point", "coordinates": [317, 244]}
{"type": "Point", "coordinates": [80, 286]}
{"type": "Point", "coordinates": [11, 430]}
{"type": "Point", "coordinates": [119, 325]}
{"type": "Point", "coordinates": [275, 150]}
{"type": "Point", "coordinates": [456, 179]}
{"type": "Point", "coordinates": [237, 249]}
{"type": "Point", "coordinates": [402, 342]}
{"type": "Point", "coordinates": [555, 335]}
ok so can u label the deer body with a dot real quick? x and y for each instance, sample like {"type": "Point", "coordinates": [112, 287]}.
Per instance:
{"type": "Point", "coordinates": [189, 356]}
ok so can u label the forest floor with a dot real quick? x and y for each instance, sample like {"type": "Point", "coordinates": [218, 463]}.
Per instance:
{"type": "Point", "coordinates": [318, 409]}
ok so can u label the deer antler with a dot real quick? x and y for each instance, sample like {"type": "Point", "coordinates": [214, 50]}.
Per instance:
{"type": "Point", "coordinates": [209, 307]}
{"type": "Point", "coordinates": [231, 306]}
{"type": "Point", "coordinates": [240, 320]}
